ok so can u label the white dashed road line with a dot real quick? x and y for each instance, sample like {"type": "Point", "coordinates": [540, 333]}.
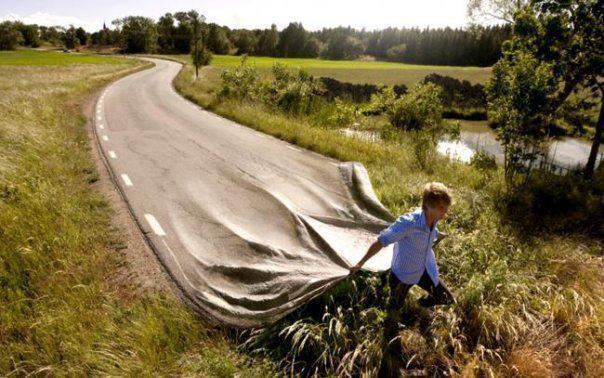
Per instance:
{"type": "Point", "coordinates": [105, 138]}
{"type": "Point", "coordinates": [112, 154]}
{"type": "Point", "coordinates": [155, 225]}
{"type": "Point", "coordinates": [101, 126]}
{"type": "Point", "coordinates": [126, 179]}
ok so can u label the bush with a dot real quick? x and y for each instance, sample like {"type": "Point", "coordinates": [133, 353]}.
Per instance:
{"type": "Point", "coordinates": [419, 109]}
{"type": "Point", "coordinates": [241, 82]}
{"type": "Point", "coordinates": [294, 93]}
{"type": "Point", "coordinates": [345, 114]}
{"type": "Point", "coordinates": [354, 92]}
{"type": "Point", "coordinates": [459, 94]}
{"type": "Point", "coordinates": [483, 161]}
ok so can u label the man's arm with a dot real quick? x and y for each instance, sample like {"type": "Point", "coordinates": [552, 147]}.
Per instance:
{"type": "Point", "coordinates": [373, 249]}
{"type": "Point", "coordinates": [395, 232]}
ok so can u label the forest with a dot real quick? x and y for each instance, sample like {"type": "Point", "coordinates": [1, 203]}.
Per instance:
{"type": "Point", "coordinates": [171, 34]}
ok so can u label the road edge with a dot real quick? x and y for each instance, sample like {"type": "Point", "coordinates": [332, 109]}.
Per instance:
{"type": "Point", "coordinates": [130, 229]}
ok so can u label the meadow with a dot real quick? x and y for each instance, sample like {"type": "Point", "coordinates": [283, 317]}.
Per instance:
{"type": "Point", "coordinates": [52, 58]}
{"type": "Point", "coordinates": [61, 311]}
{"type": "Point", "coordinates": [529, 298]}
{"type": "Point", "coordinates": [358, 72]}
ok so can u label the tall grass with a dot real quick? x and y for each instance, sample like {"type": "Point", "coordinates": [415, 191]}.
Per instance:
{"type": "Point", "coordinates": [528, 303]}
{"type": "Point", "coordinates": [59, 312]}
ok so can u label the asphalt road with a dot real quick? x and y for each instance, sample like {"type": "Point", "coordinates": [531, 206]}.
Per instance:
{"type": "Point", "coordinates": [250, 227]}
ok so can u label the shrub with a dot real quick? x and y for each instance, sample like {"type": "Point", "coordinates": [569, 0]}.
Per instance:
{"type": "Point", "coordinates": [459, 93]}
{"type": "Point", "coordinates": [294, 93]}
{"type": "Point", "coordinates": [241, 82]}
{"type": "Point", "coordinates": [344, 114]}
{"type": "Point", "coordinates": [419, 109]}
{"type": "Point", "coordinates": [483, 161]}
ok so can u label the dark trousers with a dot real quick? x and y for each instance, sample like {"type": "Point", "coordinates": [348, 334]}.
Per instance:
{"type": "Point", "coordinates": [398, 291]}
{"type": "Point", "coordinates": [438, 294]}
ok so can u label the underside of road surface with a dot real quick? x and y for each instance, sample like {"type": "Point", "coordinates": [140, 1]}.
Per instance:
{"type": "Point", "coordinates": [249, 226]}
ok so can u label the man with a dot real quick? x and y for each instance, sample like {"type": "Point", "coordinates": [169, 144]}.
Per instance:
{"type": "Point", "coordinates": [413, 260]}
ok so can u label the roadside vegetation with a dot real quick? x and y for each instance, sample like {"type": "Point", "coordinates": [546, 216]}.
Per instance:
{"type": "Point", "coordinates": [528, 279]}
{"type": "Point", "coordinates": [61, 313]}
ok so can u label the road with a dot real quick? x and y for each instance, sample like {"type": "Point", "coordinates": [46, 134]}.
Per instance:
{"type": "Point", "coordinates": [250, 227]}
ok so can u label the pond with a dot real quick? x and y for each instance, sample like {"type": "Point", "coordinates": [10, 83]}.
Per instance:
{"type": "Point", "coordinates": [564, 153]}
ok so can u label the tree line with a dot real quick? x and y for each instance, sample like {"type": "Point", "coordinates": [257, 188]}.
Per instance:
{"type": "Point", "coordinates": [172, 34]}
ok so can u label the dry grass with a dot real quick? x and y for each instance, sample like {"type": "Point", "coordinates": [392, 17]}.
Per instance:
{"type": "Point", "coordinates": [59, 313]}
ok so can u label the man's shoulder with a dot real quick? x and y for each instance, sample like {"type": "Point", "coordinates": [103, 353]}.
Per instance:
{"type": "Point", "coordinates": [411, 216]}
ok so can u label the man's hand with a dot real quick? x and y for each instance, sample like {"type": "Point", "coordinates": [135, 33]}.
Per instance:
{"type": "Point", "coordinates": [373, 249]}
{"type": "Point", "coordinates": [355, 269]}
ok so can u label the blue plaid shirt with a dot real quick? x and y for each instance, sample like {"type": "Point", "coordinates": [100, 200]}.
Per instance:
{"type": "Point", "coordinates": [412, 252]}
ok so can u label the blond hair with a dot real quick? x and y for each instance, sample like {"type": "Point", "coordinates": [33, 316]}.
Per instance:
{"type": "Point", "coordinates": [436, 193]}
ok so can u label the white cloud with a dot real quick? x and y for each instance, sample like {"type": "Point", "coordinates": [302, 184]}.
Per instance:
{"type": "Point", "coordinates": [46, 19]}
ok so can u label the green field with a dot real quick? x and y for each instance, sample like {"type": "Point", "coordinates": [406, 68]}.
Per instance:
{"type": "Point", "coordinates": [360, 72]}
{"type": "Point", "coordinates": [51, 58]}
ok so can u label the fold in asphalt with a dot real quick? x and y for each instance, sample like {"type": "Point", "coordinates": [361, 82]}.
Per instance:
{"type": "Point", "coordinates": [250, 227]}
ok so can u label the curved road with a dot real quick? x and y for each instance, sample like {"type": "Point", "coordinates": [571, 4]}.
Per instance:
{"type": "Point", "coordinates": [249, 226]}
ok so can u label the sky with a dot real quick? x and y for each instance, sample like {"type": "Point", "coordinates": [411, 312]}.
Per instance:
{"type": "Point", "coordinates": [314, 14]}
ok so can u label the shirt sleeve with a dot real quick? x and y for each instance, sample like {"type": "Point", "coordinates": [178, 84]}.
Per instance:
{"type": "Point", "coordinates": [396, 231]}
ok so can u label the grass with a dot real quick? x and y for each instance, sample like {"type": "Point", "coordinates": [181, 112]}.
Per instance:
{"type": "Point", "coordinates": [51, 58]}
{"type": "Point", "coordinates": [529, 303]}
{"type": "Point", "coordinates": [359, 72]}
{"type": "Point", "coordinates": [60, 313]}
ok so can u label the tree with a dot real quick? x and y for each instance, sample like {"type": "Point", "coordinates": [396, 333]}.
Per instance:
{"type": "Point", "coordinates": [166, 31]}
{"type": "Point", "coordinates": [70, 39]}
{"type": "Point", "coordinates": [10, 37]}
{"type": "Point", "coordinates": [294, 42]}
{"type": "Point", "coordinates": [567, 35]}
{"type": "Point", "coordinates": [245, 42]}
{"type": "Point", "coordinates": [500, 10]}
{"type": "Point", "coordinates": [138, 34]}
{"type": "Point", "coordinates": [342, 45]}
{"type": "Point", "coordinates": [517, 101]}
{"type": "Point", "coordinates": [200, 55]}
{"type": "Point", "coordinates": [30, 33]}
{"type": "Point", "coordinates": [397, 53]}
{"type": "Point", "coordinates": [50, 34]}
{"type": "Point", "coordinates": [312, 48]}
{"type": "Point", "coordinates": [267, 42]}
{"type": "Point", "coordinates": [182, 41]}
{"type": "Point", "coordinates": [82, 36]}
{"type": "Point", "coordinates": [217, 40]}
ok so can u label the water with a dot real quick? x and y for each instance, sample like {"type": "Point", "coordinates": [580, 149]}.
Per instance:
{"type": "Point", "coordinates": [564, 153]}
